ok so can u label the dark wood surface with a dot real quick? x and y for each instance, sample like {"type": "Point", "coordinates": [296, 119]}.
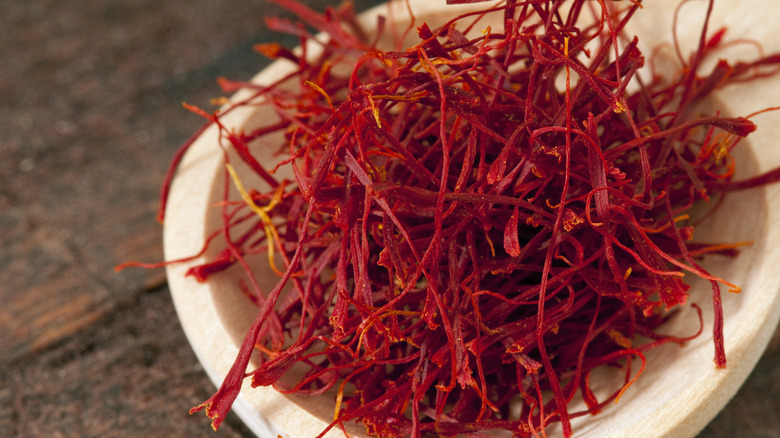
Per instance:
{"type": "Point", "coordinates": [90, 116]}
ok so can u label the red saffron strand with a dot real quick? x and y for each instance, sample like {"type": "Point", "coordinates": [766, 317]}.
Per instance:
{"type": "Point", "coordinates": [476, 222]}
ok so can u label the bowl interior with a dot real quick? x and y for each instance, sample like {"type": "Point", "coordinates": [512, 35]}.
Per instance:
{"type": "Point", "coordinates": [677, 383]}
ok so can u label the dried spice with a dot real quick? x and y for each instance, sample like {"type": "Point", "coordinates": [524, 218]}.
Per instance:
{"type": "Point", "coordinates": [478, 221]}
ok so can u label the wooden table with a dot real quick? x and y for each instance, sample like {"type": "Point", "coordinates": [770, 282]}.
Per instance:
{"type": "Point", "coordinates": [89, 118]}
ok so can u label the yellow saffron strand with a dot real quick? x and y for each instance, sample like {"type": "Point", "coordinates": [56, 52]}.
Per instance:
{"type": "Point", "coordinates": [321, 91]}
{"type": "Point", "coordinates": [375, 111]}
{"type": "Point", "coordinates": [270, 231]}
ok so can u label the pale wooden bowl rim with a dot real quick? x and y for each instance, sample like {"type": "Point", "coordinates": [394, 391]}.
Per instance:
{"type": "Point", "coordinates": [683, 414]}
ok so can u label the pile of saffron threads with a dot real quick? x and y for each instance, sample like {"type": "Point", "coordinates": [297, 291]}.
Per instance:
{"type": "Point", "coordinates": [478, 221]}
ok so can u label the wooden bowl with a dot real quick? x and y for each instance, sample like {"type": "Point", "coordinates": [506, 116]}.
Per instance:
{"type": "Point", "coordinates": [680, 391]}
